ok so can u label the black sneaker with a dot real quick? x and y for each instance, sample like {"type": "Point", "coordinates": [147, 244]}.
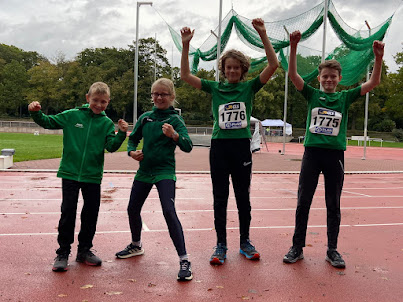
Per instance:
{"type": "Point", "coordinates": [61, 263]}
{"type": "Point", "coordinates": [219, 255]}
{"type": "Point", "coordinates": [185, 271]}
{"type": "Point", "coordinates": [335, 258]}
{"type": "Point", "coordinates": [293, 255]}
{"type": "Point", "coordinates": [249, 251]}
{"type": "Point", "coordinates": [88, 258]}
{"type": "Point", "coordinates": [130, 251]}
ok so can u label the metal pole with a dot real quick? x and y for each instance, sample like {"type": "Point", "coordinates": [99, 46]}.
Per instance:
{"type": "Point", "coordinates": [172, 62]}
{"type": "Point", "coordinates": [155, 58]}
{"type": "Point", "coordinates": [366, 107]}
{"type": "Point", "coordinates": [136, 61]}
{"type": "Point", "coordinates": [217, 76]}
{"type": "Point", "coordinates": [324, 33]}
{"type": "Point", "coordinates": [285, 98]}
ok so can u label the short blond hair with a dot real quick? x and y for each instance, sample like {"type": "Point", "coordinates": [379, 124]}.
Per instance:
{"type": "Point", "coordinates": [332, 64]}
{"type": "Point", "coordinates": [237, 55]}
{"type": "Point", "coordinates": [167, 83]}
{"type": "Point", "coordinates": [99, 88]}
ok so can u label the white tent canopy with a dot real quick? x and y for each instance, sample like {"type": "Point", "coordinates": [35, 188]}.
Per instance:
{"type": "Point", "coordinates": [277, 123]}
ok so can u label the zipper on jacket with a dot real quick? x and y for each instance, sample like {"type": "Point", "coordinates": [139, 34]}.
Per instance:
{"type": "Point", "coordinates": [85, 149]}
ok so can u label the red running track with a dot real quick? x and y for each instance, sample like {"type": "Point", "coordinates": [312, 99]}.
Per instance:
{"type": "Point", "coordinates": [370, 242]}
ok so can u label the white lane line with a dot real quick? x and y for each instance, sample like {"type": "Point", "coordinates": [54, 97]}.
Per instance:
{"type": "Point", "coordinates": [145, 227]}
{"type": "Point", "coordinates": [211, 229]}
{"type": "Point", "coordinates": [254, 187]}
{"type": "Point", "coordinates": [102, 199]}
{"type": "Point", "coordinates": [383, 188]}
{"type": "Point", "coordinates": [360, 194]}
{"type": "Point", "coordinates": [208, 210]}
{"type": "Point", "coordinates": [208, 198]}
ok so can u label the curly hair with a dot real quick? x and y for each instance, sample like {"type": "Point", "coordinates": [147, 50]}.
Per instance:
{"type": "Point", "coordinates": [237, 55]}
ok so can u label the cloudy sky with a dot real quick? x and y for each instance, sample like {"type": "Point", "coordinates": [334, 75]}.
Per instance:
{"type": "Point", "coordinates": [51, 27]}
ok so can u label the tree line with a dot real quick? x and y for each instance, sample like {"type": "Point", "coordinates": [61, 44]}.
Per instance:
{"type": "Point", "coordinates": [61, 84]}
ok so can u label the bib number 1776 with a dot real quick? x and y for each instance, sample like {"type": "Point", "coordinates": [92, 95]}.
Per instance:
{"type": "Point", "coordinates": [232, 115]}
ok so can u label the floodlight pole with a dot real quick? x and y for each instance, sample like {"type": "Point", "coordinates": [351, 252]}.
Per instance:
{"type": "Point", "coordinates": [366, 105]}
{"type": "Point", "coordinates": [217, 75]}
{"type": "Point", "coordinates": [155, 58]}
{"type": "Point", "coordinates": [324, 34]}
{"type": "Point", "coordinates": [136, 60]}
{"type": "Point", "coordinates": [285, 97]}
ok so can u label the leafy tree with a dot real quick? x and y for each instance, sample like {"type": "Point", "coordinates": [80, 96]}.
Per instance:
{"type": "Point", "coordinates": [12, 88]}
{"type": "Point", "coordinates": [394, 103]}
{"type": "Point", "coordinates": [195, 104]}
{"type": "Point", "coordinates": [26, 58]}
{"type": "Point", "coordinates": [44, 86]}
{"type": "Point", "coordinates": [73, 84]}
{"type": "Point", "coordinates": [122, 94]}
{"type": "Point", "coordinates": [146, 71]}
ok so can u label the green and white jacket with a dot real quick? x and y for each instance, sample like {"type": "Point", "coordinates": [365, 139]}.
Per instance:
{"type": "Point", "coordinates": [85, 137]}
{"type": "Point", "coordinates": [158, 149]}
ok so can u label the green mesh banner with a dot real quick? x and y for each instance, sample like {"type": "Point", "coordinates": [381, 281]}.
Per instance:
{"type": "Point", "coordinates": [354, 54]}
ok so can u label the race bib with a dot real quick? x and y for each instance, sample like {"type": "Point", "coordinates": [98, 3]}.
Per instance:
{"type": "Point", "coordinates": [325, 121]}
{"type": "Point", "coordinates": [232, 115]}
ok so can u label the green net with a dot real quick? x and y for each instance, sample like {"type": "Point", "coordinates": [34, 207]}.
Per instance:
{"type": "Point", "coordinates": [354, 53]}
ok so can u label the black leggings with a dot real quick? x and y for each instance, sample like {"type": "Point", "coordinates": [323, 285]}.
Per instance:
{"type": "Point", "coordinates": [231, 157]}
{"type": "Point", "coordinates": [331, 164]}
{"type": "Point", "coordinates": [166, 191]}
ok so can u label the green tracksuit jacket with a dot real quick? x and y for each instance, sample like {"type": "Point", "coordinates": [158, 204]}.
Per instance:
{"type": "Point", "coordinates": [85, 137]}
{"type": "Point", "coordinates": [158, 149]}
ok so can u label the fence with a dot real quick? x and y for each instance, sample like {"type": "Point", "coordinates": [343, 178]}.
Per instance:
{"type": "Point", "coordinates": [25, 127]}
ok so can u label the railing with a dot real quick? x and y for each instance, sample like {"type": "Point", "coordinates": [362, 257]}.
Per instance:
{"type": "Point", "coordinates": [18, 124]}
{"type": "Point", "coordinates": [200, 130]}
{"type": "Point", "coordinates": [360, 139]}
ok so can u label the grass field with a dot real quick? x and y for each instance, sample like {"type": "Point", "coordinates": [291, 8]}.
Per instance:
{"type": "Point", "coordinates": [32, 147]}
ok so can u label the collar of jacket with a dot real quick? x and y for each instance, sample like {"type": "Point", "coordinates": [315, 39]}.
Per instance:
{"type": "Point", "coordinates": [170, 110]}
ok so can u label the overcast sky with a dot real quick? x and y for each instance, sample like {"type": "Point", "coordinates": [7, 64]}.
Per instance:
{"type": "Point", "coordinates": [54, 26]}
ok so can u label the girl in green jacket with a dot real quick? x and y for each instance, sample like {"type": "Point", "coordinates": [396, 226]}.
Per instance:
{"type": "Point", "coordinates": [162, 130]}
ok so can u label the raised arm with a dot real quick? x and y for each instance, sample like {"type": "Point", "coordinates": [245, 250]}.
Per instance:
{"type": "Point", "coordinates": [189, 78]}
{"type": "Point", "coordinates": [378, 48]}
{"type": "Point", "coordinates": [272, 62]}
{"type": "Point", "coordinates": [298, 82]}
{"type": "Point", "coordinates": [46, 121]}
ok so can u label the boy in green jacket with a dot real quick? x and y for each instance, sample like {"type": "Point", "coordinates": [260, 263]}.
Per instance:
{"type": "Point", "coordinates": [87, 132]}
